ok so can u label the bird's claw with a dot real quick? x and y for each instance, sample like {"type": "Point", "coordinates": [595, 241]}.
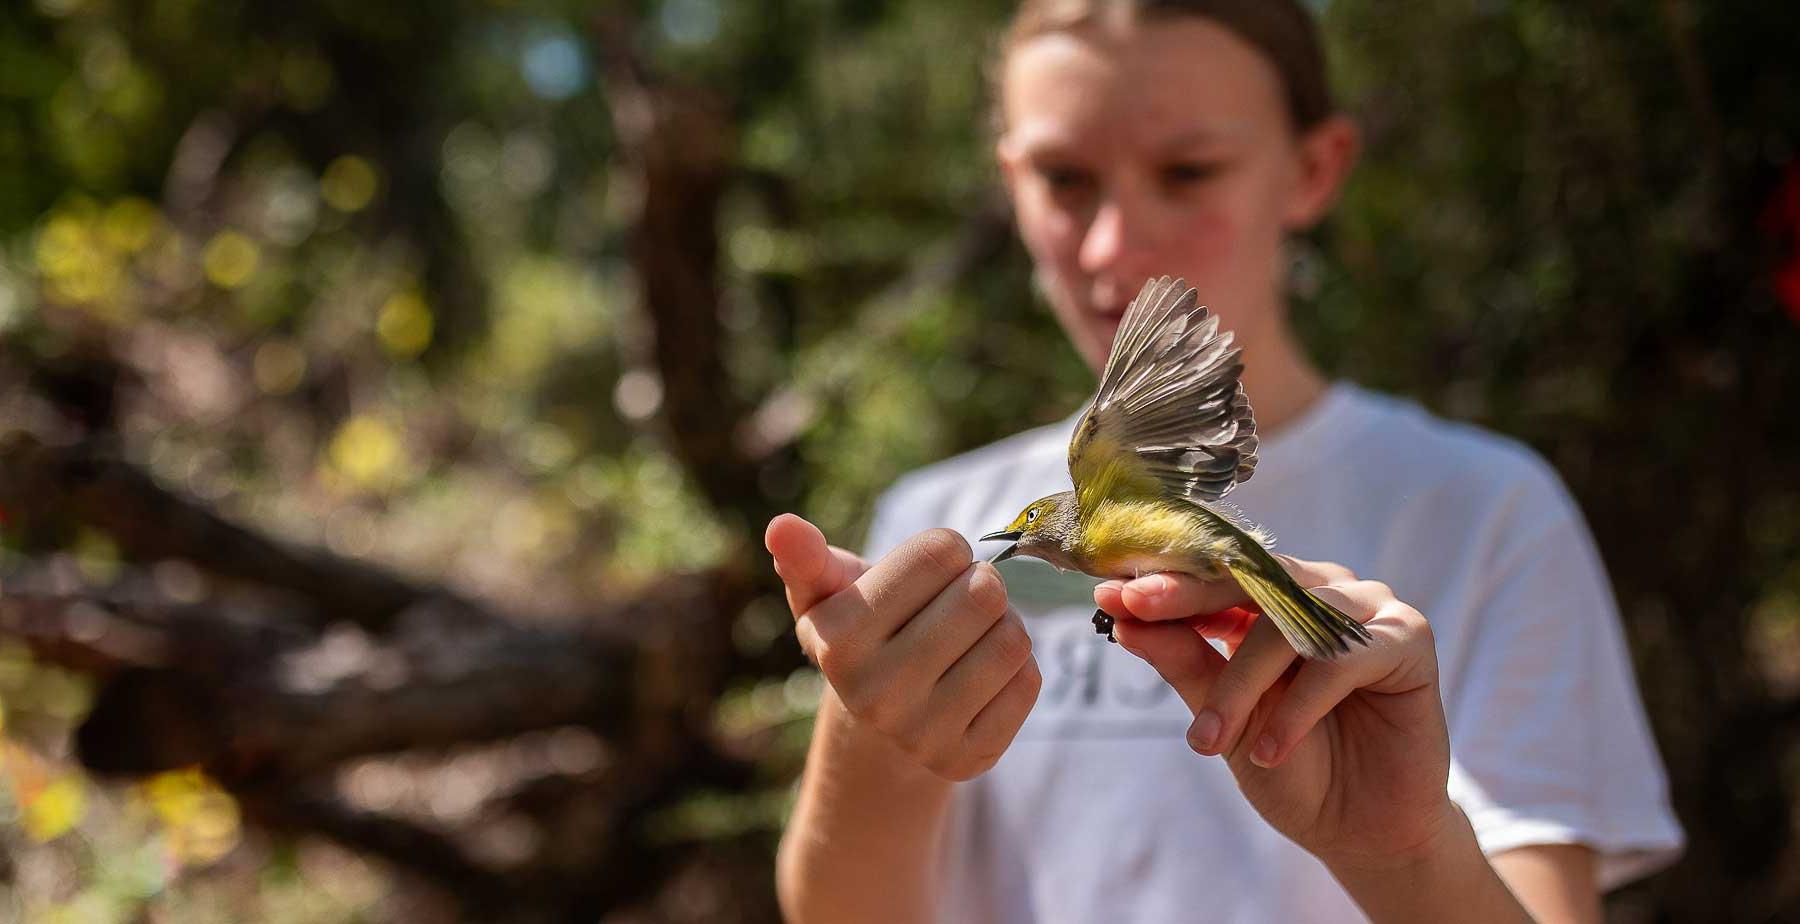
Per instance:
{"type": "Point", "coordinates": [1103, 625]}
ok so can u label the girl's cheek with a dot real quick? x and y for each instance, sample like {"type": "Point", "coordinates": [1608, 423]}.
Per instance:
{"type": "Point", "coordinates": [1211, 237]}
{"type": "Point", "coordinates": [1053, 236]}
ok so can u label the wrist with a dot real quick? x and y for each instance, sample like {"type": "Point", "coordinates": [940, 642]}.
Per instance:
{"type": "Point", "coordinates": [1442, 876]}
{"type": "Point", "coordinates": [1445, 832]}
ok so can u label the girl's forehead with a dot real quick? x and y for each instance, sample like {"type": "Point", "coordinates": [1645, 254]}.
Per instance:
{"type": "Point", "coordinates": [1166, 83]}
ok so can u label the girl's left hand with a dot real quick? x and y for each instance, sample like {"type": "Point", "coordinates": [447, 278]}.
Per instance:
{"type": "Point", "coordinates": [1348, 758]}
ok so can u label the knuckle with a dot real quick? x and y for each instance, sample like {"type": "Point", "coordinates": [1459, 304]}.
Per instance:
{"type": "Point", "coordinates": [1416, 624]}
{"type": "Point", "coordinates": [987, 590]}
{"type": "Point", "coordinates": [1030, 680]}
{"type": "Point", "coordinates": [946, 549]}
{"type": "Point", "coordinates": [1376, 589]}
{"type": "Point", "coordinates": [830, 656]}
{"type": "Point", "coordinates": [887, 711]}
{"type": "Point", "coordinates": [826, 655]}
{"type": "Point", "coordinates": [835, 659]}
{"type": "Point", "coordinates": [1011, 643]}
{"type": "Point", "coordinates": [808, 635]}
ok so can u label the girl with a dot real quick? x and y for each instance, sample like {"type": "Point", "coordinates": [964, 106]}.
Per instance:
{"type": "Point", "coordinates": [979, 756]}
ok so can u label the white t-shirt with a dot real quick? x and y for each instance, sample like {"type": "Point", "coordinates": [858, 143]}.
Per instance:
{"type": "Point", "coordinates": [1100, 812]}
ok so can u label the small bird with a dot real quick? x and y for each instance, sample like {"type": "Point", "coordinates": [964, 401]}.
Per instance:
{"type": "Point", "coordinates": [1169, 434]}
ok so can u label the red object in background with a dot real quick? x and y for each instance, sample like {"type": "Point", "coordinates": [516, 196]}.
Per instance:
{"type": "Point", "coordinates": [1781, 219]}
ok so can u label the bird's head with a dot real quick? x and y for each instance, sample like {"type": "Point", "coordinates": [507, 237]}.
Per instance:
{"type": "Point", "coordinates": [1042, 530]}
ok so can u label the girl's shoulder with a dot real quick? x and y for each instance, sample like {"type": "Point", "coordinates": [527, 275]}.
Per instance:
{"type": "Point", "coordinates": [1401, 436]}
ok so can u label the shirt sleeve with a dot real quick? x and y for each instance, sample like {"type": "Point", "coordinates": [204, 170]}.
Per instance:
{"type": "Point", "coordinates": [1548, 736]}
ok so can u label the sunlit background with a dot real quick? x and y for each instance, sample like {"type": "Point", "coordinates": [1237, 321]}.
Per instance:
{"type": "Point", "coordinates": [392, 394]}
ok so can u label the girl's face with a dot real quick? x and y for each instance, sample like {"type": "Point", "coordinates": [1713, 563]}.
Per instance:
{"type": "Point", "coordinates": [1160, 148]}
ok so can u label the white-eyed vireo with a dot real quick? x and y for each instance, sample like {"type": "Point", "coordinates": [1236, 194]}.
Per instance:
{"type": "Point", "coordinates": [1168, 433]}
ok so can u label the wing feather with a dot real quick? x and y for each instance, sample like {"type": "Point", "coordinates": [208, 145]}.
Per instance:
{"type": "Point", "coordinates": [1170, 416]}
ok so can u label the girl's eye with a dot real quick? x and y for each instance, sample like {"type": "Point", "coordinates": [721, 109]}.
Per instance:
{"type": "Point", "coordinates": [1065, 181]}
{"type": "Point", "coordinates": [1186, 172]}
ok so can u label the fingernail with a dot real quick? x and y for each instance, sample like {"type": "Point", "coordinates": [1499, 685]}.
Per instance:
{"type": "Point", "coordinates": [1204, 733]}
{"type": "Point", "coordinates": [1153, 585]}
{"type": "Point", "coordinates": [1263, 755]}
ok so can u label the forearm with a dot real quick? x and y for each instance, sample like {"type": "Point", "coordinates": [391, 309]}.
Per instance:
{"type": "Point", "coordinates": [1450, 880]}
{"type": "Point", "coordinates": [861, 845]}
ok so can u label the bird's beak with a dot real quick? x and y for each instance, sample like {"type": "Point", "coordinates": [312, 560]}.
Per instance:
{"type": "Point", "coordinates": [1004, 536]}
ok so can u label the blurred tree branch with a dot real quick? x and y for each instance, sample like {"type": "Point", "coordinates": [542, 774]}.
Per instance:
{"type": "Point", "coordinates": [152, 522]}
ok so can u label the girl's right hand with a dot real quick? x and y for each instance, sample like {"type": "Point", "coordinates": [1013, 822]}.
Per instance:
{"type": "Point", "coordinates": [920, 647]}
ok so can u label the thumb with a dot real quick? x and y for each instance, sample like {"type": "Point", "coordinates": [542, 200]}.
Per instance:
{"type": "Point", "coordinates": [811, 569]}
{"type": "Point", "coordinates": [1178, 652]}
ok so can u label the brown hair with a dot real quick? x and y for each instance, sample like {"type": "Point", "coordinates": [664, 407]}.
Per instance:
{"type": "Point", "coordinates": [1281, 29]}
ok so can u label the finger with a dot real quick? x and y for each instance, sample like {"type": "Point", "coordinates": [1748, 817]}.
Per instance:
{"type": "Point", "coordinates": [811, 569]}
{"type": "Point", "coordinates": [1401, 634]}
{"type": "Point", "coordinates": [1106, 597]}
{"type": "Point", "coordinates": [995, 726]}
{"type": "Point", "coordinates": [895, 588]}
{"type": "Point", "coordinates": [1359, 600]}
{"type": "Point", "coordinates": [1231, 626]}
{"type": "Point", "coordinates": [1317, 688]}
{"type": "Point", "coordinates": [925, 648]}
{"type": "Point", "coordinates": [1169, 595]}
{"type": "Point", "coordinates": [1227, 625]}
{"type": "Point", "coordinates": [1312, 574]}
{"type": "Point", "coordinates": [1254, 667]}
{"type": "Point", "coordinates": [981, 672]}
{"type": "Point", "coordinates": [1176, 595]}
{"type": "Point", "coordinates": [1184, 659]}
{"type": "Point", "coordinates": [1402, 640]}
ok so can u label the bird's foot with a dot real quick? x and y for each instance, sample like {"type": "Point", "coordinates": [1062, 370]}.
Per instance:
{"type": "Point", "coordinates": [1103, 625]}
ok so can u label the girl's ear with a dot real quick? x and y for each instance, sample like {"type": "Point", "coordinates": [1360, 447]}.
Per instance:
{"type": "Point", "coordinates": [1326, 152]}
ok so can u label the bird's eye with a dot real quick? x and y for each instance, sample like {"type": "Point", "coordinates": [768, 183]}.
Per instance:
{"type": "Point", "coordinates": [1031, 514]}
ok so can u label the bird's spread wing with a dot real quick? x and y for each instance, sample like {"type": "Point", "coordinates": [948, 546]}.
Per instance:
{"type": "Point", "coordinates": [1170, 416]}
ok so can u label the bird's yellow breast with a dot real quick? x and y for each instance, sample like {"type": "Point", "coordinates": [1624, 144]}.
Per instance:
{"type": "Point", "coordinates": [1125, 538]}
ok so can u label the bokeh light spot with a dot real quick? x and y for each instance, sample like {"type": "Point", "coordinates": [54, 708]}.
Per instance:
{"type": "Point", "coordinates": [51, 811]}
{"type": "Point", "coordinates": [639, 394]}
{"type": "Point", "coordinates": [555, 65]}
{"type": "Point", "coordinates": [130, 224]}
{"type": "Point", "coordinates": [349, 183]}
{"type": "Point", "coordinates": [404, 325]}
{"type": "Point", "coordinates": [366, 450]}
{"type": "Point", "coordinates": [279, 367]}
{"type": "Point", "coordinates": [690, 22]}
{"type": "Point", "coordinates": [230, 259]}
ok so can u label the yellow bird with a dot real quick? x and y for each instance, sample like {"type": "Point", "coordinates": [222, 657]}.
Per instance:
{"type": "Point", "coordinates": [1168, 434]}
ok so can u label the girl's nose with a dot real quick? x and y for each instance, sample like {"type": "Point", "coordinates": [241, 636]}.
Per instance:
{"type": "Point", "coordinates": [1119, 240]}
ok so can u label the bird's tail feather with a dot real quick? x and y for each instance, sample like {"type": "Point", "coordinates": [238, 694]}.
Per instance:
{"type": "Point", "coordinates": [1315, 628]}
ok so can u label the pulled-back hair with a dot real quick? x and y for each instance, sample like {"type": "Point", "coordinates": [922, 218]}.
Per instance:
{"type": "Point", "coordinates": [1282, 30]}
